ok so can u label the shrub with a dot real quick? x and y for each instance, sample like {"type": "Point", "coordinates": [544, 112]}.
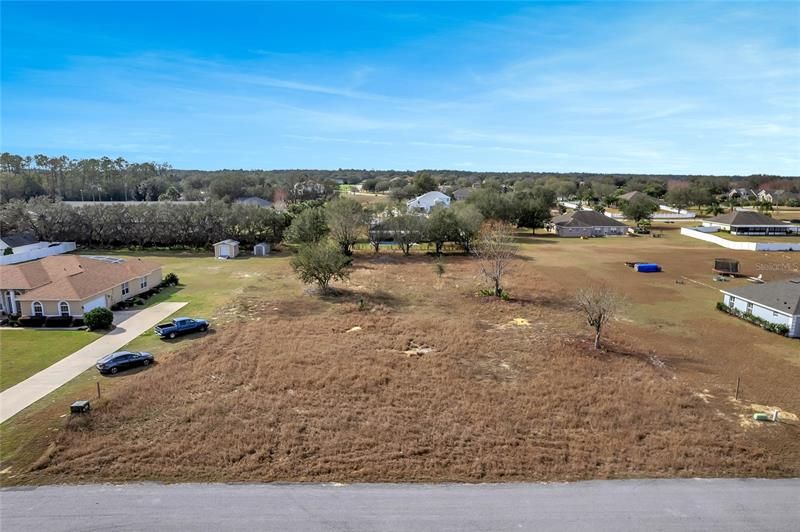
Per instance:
{"type": "Point", "coordinates": [321, 263]}
{"type": "Point", "coordinates": [98, 318]}
{"type": "Point", "coordinates": [8, 251]}
{"type": "Point", "coordinates": [33, 321]}
{"type": "Point", "coordinates": [77, 322]}
{"type": "Point", "coordinates": [171, 280]}
{"type": "Point", "coordinates": [778, 328]}
{"type": "Point", "coordinates": [58, 321]}
{"type": "Point", "coordinates": [489, 292]}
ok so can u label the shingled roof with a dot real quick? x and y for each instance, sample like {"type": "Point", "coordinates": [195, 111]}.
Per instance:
{"type": "Point", "coordinates": [585, 219]}
{"type": "Point", "coordinates": [71, 277]}
{"type": "Point", "coordinates": [16, 240]}
{"type": "Point", "coordinates": [635, 195]}
{"type": "Point", "coordinates": [777, 295]}
{"type": "Point", "coordinates": [744, 218]}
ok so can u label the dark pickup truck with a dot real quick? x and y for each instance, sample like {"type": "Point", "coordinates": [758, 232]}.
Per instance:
{"type": "Point", "coordinates": [180, 326]}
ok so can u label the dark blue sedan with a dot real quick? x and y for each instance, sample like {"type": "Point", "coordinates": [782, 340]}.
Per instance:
{"type": "Point", "coordinates": [122, 360]}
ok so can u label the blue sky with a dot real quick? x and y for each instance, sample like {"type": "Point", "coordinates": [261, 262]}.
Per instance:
{"type": "Point", "coordinates": [667, 87]}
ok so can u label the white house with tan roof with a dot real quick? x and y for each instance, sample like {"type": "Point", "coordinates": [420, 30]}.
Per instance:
{"type": "Point", "coordinates": [71, 285]}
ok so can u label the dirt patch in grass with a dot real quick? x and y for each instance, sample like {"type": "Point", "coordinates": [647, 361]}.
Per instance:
{"type": "Point", "coordinates": [427, 383]}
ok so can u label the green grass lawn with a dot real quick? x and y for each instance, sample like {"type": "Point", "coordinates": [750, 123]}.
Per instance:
{"type": "Point", "coordinates": [28, 351]}
{"type": "Point", "coordinates": [207, 285]}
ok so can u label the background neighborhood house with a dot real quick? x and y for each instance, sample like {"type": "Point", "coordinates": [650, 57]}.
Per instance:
{"type": "Point", "coordinates": [227, 249]}
{"type": "Point", "coordinates": [463, 193]}
{"type": "Point", "coordinates": [636, 195]}
{"type": "Point", "coordinates": [428, 201]}
{"type": "Point", "coordinates": [586, 223]}
{"type": "Point", "coordinates": [71, 285]}
{"type": "Point", "coordinates": [776, 302]}
{"type": "Point", "coordinates": [25, 247]}
{"type": "Point", "coordinates": [254, 201]}
{"type": "Point", "coordinates": [750, 223]}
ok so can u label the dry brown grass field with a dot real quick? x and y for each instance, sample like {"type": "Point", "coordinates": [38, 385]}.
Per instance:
{"type": "Point", "coordinates": [425, 381]}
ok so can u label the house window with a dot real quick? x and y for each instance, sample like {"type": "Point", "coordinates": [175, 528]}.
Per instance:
{"type": "Point", "coordinates": [125, 289]}
{"type": "Point", "coordinates": [38, 309]}
{"type": "Point", "coordinates": [774, 314]}
{"type": "Point", "coordinates": [749, 308]}
{"type": "Point", "coordinates": [143, 283]}
{"type": "Point", "coordinates": [63, 309]}
{"type": "Point", "coordinates": [731, 301]}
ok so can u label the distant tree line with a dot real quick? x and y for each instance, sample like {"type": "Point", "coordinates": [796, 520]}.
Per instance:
{"type": "Point", "coordinates": [106, 178]}
{"type": "Point", "coordinates": [143, 225]}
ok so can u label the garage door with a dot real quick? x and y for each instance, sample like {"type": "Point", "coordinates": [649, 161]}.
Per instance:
{"type": "Point", "coordinates": [99, 301]}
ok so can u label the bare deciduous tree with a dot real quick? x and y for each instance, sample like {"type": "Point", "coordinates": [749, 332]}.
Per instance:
{"type": "Point", "coordinates": [496, 248]}
{"type": "Point", "coordinates": [599, 304]}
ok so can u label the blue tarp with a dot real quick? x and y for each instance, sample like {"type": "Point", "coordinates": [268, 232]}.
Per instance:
{"type": "Point", "coordinates": [648, 268]}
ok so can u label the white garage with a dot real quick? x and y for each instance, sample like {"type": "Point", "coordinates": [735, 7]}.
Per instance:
{"type": "Point", "coordinates": [97, 302]}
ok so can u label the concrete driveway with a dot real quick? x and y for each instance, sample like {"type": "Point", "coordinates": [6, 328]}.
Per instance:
{"type": "Point", "coordinates": [32, 389]}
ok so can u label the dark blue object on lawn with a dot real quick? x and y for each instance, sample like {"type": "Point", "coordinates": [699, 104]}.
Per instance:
{"type": "Point", "coordinates": [648, 268]}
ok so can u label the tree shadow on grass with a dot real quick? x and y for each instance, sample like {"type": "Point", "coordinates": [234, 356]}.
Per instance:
{"type": "Point", "coordinates": [366, 300]}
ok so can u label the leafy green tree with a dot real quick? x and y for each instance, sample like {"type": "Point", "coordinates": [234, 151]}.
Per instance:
{"type": "Point", "coordinates": [764, 207]}
{"type": "Point", "coordinates": [407, 230]}
{"type": "Point", "coordinates": [442, 227]}
{"type": "Point", "coordinates": [639, 209]}
{"type": "Point", "coordinates": [493, 204]}
{"type": "Point", "coordinates": [321, 263]}
{"type": "Point", "coordinates": [171, 194]}
{"type": "Point", "coordinates": [423, 182]}
{"type": "Point", "coordinates": [532, 207]}
{"type": "Point", "coordinates": [680, 198]}
{"type": "Point", "coordinates": [347, 222]}
{"type": "Point", "coordinates": [469, 220]}
{"type": "Point", "coordinates": [307, 227]}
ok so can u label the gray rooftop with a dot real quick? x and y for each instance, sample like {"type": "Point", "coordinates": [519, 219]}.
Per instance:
{"type": "Point", "coordinates": [744, 218]}
{"type": "Point", "coordinates": [586, 219]}
{"type": "Point", "coordinates": [777, 295]}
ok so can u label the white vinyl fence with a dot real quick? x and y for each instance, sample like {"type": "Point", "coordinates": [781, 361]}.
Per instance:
{"type": "Point", "coordinates": [37, 253]}
{"type": "Point", "coordinates": [745, 246]}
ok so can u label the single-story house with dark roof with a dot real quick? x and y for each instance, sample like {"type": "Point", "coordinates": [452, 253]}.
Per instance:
{"type": "Point", "coordinates": [254, 201]}
{"type": "Point", "coordinates": [462, 193]}
{"type": "Point", "coordinates": [751, 223]}
{"type": "Point", "coordinates": [777, 302]}
{"type": "Point", "coordinates": [585, 224]}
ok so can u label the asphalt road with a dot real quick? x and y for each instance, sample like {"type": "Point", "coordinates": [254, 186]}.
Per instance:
{"type": "Point", "coordinates": [680, 505]}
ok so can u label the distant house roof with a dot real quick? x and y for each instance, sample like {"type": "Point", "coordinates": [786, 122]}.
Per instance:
{"type": "Point", "coordinates": [630, 196]}
{"type": "Point", "coordinates": [228, 241]}
{"type": "Point", "coordinates": [254, 200]}
{"type": "Point", "coordinates": [463, 193]}
{"type": "Point", "coordinates": [585, 219]}
{"type": "Point", "coordinates": [71, 277]}
{"type": "Point", "coordinates": [778, 295]}
{"type": "Point", "coordinates": [16, 240]}
{"type": "Point", "coordinates": [429, 199]}
{"type": "Point", "coordinates": [745, 218]}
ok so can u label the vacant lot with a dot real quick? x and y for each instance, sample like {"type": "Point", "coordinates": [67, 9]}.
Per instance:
{"type": "Point", "coordinates": [408, 376]}
{"type": "Point", "coordinates": [28, 351]}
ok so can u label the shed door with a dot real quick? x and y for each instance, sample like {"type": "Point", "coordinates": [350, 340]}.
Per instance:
{"type": "Point", "coordinates": [99, 301]}
{"type": "Point", "coordinates": [224, 250]}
